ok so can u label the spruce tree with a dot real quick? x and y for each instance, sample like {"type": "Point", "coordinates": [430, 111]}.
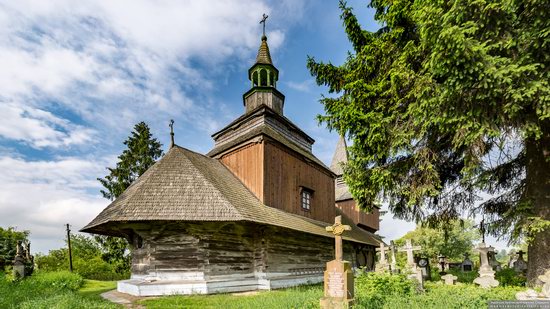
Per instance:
{"type": "Point", "coordinates": [142, 151]}
{"type": "Point", "coordinates": [447, 102]}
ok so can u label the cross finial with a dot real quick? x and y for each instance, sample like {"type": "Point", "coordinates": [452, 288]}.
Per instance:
{"type": "Point", "coordinates": [171, 125]}
{"type": "Point", "coordinates": [264, 17]}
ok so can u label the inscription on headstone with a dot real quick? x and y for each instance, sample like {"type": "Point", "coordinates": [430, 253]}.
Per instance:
{"type": "Point", "coordinates": [339, 275]}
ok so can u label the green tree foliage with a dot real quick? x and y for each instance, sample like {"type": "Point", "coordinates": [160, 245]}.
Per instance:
{"type": "Point", "coordinates": [8, 244]}
{"type": "Point", "coordinates": [449, 99]}
{"type": "Point", "coordinates": [458, 238]}
{"type": "Point", "coordinates": [87, 260]}
{"type": "Point", "coordinates": [142, 151]}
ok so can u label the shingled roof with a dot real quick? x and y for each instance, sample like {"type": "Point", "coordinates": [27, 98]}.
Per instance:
{"type": "Point", "coordinates": [188, 186]}
{"type": "Point", "coordinates": [264, 57]}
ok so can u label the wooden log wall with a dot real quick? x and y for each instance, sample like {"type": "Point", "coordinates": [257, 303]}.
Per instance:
{"type": "Point", "coordinates": [220, 249]}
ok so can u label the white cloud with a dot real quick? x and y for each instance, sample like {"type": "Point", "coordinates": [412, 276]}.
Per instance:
{"type": "Point", "coordinates": [304, 86]}
{"type": "Point", "coordinates": [40, 128]}
{"type": "Point", "coordinates": [108, 61]}
{"type": "Point", "coordinates": [41, 196]}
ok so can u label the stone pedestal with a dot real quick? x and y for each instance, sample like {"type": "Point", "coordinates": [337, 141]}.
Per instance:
{"type": "Point", "coordinates": [338, 285]}
{"type": "Point", "coordinates": [486, 277]}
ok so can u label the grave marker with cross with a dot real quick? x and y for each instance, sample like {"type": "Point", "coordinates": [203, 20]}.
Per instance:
{"type": "Point", "coordinates": [410, 253]}
{"type": "Point", "coordinates": [338, 276]}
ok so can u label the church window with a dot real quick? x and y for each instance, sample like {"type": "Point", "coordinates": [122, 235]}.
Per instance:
{"type": "Point", "coordinates": [305, 198]}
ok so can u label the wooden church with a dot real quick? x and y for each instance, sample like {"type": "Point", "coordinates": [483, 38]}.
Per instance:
{"type": "Point", "coordinates": [249, 215]}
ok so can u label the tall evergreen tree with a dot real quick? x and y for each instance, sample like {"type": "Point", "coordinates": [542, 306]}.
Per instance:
{"type": "Point", "coordinates": [142, 151]}
{"type": "Point", "coordinates": [448, 100]}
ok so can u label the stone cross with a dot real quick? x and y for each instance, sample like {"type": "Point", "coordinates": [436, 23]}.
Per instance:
{"type": "Point", "coordinates": [264, 17]}
{"type": "Point", "coordinates": [409, 249]}
{"type": "Point", "coordinates": [484, 256]}
{"type": "Point", "coordinates": [486, 277]}
{"type": "Point", "coordinates": [393, 260]}
{"type": "Point", "coordinates": [449, 279]}
{"type": "Point", "coordinates": [337, 229]}
{"type": "Point", "coordinates": [382, 251]}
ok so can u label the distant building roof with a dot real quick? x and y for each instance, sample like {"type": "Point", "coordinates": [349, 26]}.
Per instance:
{"type": "Point", "coordinates": [187, 186]}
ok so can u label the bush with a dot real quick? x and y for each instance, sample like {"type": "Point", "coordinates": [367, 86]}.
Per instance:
{"type": "Point", "coordinates": [462, 296]}
{"type": "Point", "coordinates": [372, 289]}
{"type": "Point", "coordinates": [509, 277]}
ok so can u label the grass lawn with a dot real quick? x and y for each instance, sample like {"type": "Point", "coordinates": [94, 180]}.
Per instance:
{"type": "Point", "coordinates": [93, 288]}
{"type": "Point", "coordinates": [298, 297]}
{"type": "Point", "coordinates": [55, 290]}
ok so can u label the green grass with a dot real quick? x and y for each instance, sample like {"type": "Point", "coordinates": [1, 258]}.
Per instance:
{"type": "Point", "coordinates": [57, 290]}
{"type": "Point", "coordinates": [92, 289]}
{"type": "Point", "coordinates": [298, 297]}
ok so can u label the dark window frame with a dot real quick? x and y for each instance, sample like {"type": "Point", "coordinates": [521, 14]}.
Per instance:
{"type": "Point", "coordinates": [306, 198]}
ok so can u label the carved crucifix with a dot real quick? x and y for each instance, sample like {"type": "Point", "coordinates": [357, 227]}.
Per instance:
{"type": "Point", "coordinates": [171, 125]}
{"type": "Point", "coordinates": [264, 17]}
{"type": "Point", "coordinates": [409, 249]}
{"type": "Point", "coordinates": [337, 230]}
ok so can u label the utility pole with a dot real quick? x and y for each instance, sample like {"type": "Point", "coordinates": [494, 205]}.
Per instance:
{"type": "Point", "coordinates": [69, 244]}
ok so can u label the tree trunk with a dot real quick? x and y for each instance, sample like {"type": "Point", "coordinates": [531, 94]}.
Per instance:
{"type": "Point", "coordinates": [538, 192]}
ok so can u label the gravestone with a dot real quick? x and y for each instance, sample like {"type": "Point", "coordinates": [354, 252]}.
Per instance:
{"type": "Point", "coordinates": [520, 265]}
{"type": "Point", "coordinates": [19, 261]}
{"type": "Point", "coordinates": [467, 265]}
{"type": "Point", "coordinates": [424, 265]}
{"type": "Point", "coordinates": [393, 260]}
{"type": "Point", "coordinates": [338, 279]}
{"type": "Point", "coordinates": [410, 254]}
{"type": "Point", "coordinates": [441, 265]}
{"type": "Point", "coordinates": [486, 277]}
{"type": "Point", "coordinates": [492, 256]}
{"type": "Point", "coordinates": [513, 259]}
{"type": "Point", "coordinates": [382, 264]}
{"type": "Point", "coordinates": [531, 294]}
{"type": "Point", "coordinates": [449, 279]}
{"type": "Point", "coordinates": [414, 271]}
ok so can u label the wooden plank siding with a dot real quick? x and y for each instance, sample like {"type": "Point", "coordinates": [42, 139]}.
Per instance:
{"type": "Point", "coordinates": [247, 163]}
{"type": "Point", "coordinates": [285, 172]}
{"type": "Point", "coordinates": [359, 217]}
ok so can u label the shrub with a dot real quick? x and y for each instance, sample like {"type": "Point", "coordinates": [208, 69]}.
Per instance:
{"type": "Point", "coordinates": [372, 289]}
{"type": "Point", "coordinates": [462, 296]}
{"type": "Point", "coordinates": [509, 277]}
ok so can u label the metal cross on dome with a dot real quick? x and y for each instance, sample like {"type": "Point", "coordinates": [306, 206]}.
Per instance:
{"type": "Point", "coordinates": [264, 17]}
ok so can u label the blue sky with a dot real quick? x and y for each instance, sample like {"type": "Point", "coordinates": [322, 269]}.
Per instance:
{"type": "Point", "coordinates": [75, 76]}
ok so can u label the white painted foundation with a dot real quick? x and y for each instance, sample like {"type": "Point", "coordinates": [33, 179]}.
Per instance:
{"type": "Point", "coordinates": [236, 283]}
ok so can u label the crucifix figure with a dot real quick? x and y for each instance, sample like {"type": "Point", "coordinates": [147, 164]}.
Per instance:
{"type": "Point", "coordinates": [264, 17]}
{"type": "Point", "coordinates": [337, 230]}
{"type": "Point", "coordinates": [171, 125]}
{"type": "Point", "coordinates": [409, 249]}
{"type": "Point", "coordinates": [482, 230]}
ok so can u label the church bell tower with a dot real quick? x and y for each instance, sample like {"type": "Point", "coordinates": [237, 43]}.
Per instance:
{"type": "Point", "coordinates": [263, 76]}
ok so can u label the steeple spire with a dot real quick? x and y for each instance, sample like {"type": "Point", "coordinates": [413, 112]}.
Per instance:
{"type": "Point", "coordinates": [340, 156]}
{"type": "Point", "coordinates": [263, 76]}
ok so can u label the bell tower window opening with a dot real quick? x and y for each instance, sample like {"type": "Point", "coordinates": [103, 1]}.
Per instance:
{"type": "Point", "coordinates": [255, 79]}
{"type": "Point", "coordinates": [263, 77]}
{"type": "Point", "coordinates": [306, 197]}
